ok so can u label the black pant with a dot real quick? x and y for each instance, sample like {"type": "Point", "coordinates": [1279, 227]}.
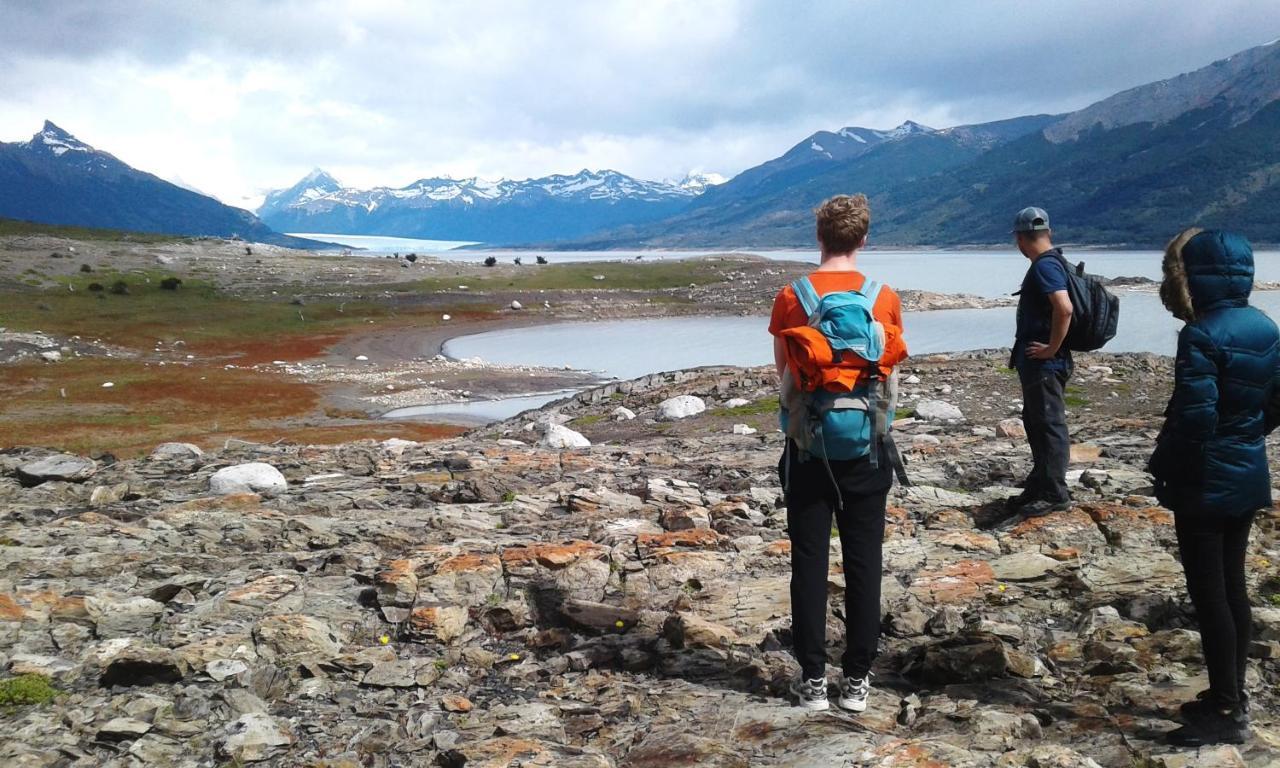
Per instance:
{"type": "Point", "coordinates": [1213, 549]}
{"type": "Point", "coordinates": [1044, 415]}
{"type": "Point", "coordinates": [811, 502]}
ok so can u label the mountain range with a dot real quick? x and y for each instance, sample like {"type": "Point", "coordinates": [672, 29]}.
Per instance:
{"type": "Point", "coordinates": [1202, 148]}
{"type": "Point", "coordinates": [54, 178]}
{"type": "Point", "coordinates": [502, 211]}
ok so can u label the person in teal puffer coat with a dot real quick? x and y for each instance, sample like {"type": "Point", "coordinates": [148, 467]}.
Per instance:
{"type": "Point", "coordinates": [1210, 461]}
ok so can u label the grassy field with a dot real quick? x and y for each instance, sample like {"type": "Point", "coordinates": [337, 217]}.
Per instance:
{"type": "Point", "coordinates": [206, 320]}
{"type": "Point", "coordinates": [19, 227]}
{"type": "Point", "coordinates": [200, 400]}
{"type": "Point", "coordinates": [636, 276]}
{"type": "Point", "coordinates": [65, 405]}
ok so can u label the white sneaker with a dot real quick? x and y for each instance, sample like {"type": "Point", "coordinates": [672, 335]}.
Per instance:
{"type": "Point", "coordinates": [854, 692]}
{"type": "Point", "coordinates": [811, 694]}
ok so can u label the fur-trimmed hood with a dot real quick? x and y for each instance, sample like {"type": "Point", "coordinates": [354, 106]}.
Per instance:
{"type": "Point", "coordinates": [1205, 270]}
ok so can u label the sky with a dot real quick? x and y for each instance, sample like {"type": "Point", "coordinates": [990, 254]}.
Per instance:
{"type": "Point", "coordinates": [240, 96]}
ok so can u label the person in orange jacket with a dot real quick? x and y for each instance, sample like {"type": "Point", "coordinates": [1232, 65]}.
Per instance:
{"type": "Point", "coordinates": [858, 495]}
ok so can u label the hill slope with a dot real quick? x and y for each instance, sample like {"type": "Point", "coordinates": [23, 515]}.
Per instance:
{"type": "Point", "coordinates": [1202, 148]}
{"type": "Point", "coordinates": [56, 179]}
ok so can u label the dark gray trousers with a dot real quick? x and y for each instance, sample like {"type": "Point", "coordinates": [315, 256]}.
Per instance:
{"type": "Point", "coordinates": [1044, 415]}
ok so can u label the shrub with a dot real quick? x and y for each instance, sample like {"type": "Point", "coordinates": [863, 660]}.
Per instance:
{"type": "Point", "coordinates": [96, 287]}
{"type": "Point", "coordinates": [170, 283]}
{"type": "Point", "coordinates": [86, 268]}
{"type": "Point", "coordinates": [411, 258]}
{"type": "Point", "coordinates": [26, 689]}
{"type": "Point", "coordinates": [120, 288]}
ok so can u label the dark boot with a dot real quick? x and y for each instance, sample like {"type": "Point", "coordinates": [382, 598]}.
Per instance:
{"type": "Point", "coordinates": [1193, 709]}
{"type": "Point", "coordinates": [1208, 724]}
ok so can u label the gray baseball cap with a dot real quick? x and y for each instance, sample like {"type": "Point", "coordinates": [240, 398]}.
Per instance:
{"type": "Point", "coordinates": [1031, 219]}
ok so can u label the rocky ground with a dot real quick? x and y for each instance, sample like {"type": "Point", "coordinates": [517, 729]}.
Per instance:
{"type": "Point", "coordinates": [491, 601]}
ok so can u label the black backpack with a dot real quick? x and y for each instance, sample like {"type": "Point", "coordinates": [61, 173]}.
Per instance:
{"type": "Point", "coordinates": [1095, 311]}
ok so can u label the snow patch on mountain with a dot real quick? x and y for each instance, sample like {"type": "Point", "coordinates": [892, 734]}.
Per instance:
{"type": "Point", "coordinates": [57, 141]}
{"type": "Point", "coordinates": [319, 189]}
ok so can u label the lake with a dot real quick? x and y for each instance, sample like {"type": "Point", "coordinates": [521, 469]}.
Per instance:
{"type": "Point", "coordinates": [630, 348]}
{"type": "Point", "coordinates": [982, 272]}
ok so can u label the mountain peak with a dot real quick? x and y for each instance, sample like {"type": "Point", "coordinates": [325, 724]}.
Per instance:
{"type": "Point", "coordinates": [907, 128]}
{"type": "Point", "coordinates": [319, 175]}
{"type": "Point", "coordinates": [56, 140]}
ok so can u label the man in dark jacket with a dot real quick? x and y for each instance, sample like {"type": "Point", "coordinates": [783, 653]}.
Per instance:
{"type": "Point", "coordinates": [1044, 365]}
{"type": "Point", "coordinates": [1210, 463]}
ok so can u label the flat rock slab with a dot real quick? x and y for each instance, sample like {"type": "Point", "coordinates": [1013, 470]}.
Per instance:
{"type": "Point", "coordinates": [1024, 566]}
{"type": "Point", "coordinates": [63, 466]}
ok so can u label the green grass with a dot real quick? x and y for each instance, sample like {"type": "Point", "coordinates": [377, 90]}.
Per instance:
{"type": "Point", "coordinates": [25, 690]}
{"type": "Point", "coordinates": [17, 227]}
{"type": "Point", "coordinates": [617, 276]}
{"type": "Point", "coordinates": [762, 407]}
{"type": "Point", "coordinates": [589, 419]}
{"type": "Point", "coordinates": [1274, 599]}
{"type": "Point", "coordinates": [197, 311]}
{"type": "Point", "coordinates": [1075, 398]}
{"type": "Point", "coordinates": [904, 413]}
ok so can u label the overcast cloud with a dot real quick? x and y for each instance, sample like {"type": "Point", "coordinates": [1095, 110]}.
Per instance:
{"type": "Point", "coordinates": [239, 96]}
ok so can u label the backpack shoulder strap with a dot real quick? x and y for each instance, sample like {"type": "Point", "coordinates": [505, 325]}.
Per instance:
{"type": "Point", "coordinates": [871, 289]}
{"type": "Point", "coordinates": [807, 295]}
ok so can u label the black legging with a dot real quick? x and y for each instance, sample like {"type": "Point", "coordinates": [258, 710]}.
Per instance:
{"type": "Point", "coordinates": [811, 504]}
{"type": "Point", "coordinates": [1213, 549]}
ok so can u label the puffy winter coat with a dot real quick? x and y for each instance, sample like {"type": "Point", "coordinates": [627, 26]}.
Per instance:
{"type": "Point", "coordinates": [1210, 457]}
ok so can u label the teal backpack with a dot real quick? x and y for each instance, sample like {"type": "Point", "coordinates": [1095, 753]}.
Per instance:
{"type": "Point", "coordinates": [843, 425]}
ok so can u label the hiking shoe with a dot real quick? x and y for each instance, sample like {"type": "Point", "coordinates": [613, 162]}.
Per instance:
{"type": "Point", "coordinates": [1014, 503]}
{"type": "Point", "coordinates": [811, 694]}
{"type": "Point", "coordinates": [1044, 507]}
{"type": "Point", "coordinates": [1194, 709]}
{"type": "Point", "coordinates": [1211, 725]}
{"type": "Point", "coordinates": [854, 692]}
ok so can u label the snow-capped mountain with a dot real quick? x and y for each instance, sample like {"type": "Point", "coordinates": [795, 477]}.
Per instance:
{"type": "Point", "coordinates": [547, 208]}
{"type": "Point", "coordinates": [698, 182]}
{"type": "Point", "coordinates": [55, 178]}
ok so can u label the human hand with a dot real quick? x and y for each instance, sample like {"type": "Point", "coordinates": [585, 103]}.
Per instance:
{"type": "Point", "coordinates": [1037, 351]}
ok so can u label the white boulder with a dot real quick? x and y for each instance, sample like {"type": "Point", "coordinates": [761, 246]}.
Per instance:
{"type": "Point", "coordinates": [737, 402]}
{"type": "Point", "coordinates": [680, 407]}
{"type": "Point", "coordinates": [254, 477]}
{"type": "Point", "coordinates": [516, 305]}
{"type": "Point", "coordinates": [560, 436]}
{"type": "Point", "coordinates": [623, 414]}
{"type": "Point", "coordinates": [743, 429]}
{"type": "Point", "coordinates": [938, 411]}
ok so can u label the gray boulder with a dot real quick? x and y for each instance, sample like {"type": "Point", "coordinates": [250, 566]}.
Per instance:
{"type": "Point", "coordinates": [62, 466]}
{"type": "Point", "coordinates": [176, 451]}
